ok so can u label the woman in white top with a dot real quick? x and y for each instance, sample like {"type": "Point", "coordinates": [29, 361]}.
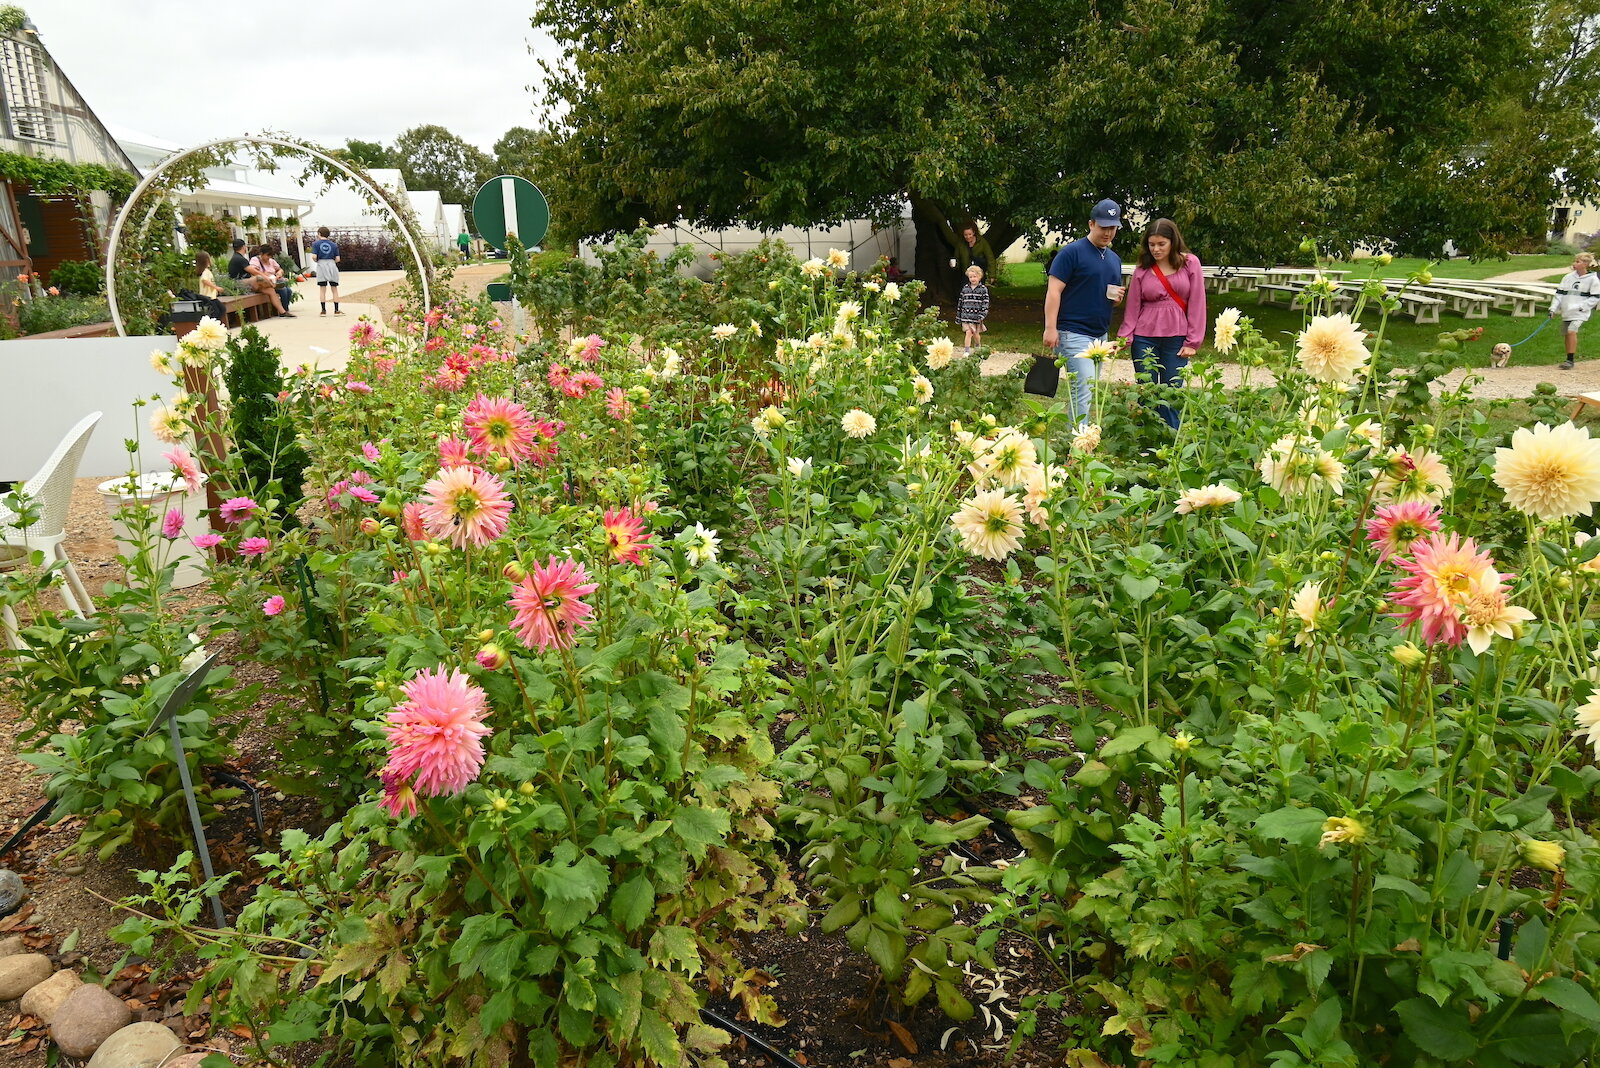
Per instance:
{"type": "Point", "coordinates": [1575, 298]}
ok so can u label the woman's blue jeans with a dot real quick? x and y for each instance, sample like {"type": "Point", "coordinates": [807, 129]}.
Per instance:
{"type": "Point", "coordinates": [1156, 359]}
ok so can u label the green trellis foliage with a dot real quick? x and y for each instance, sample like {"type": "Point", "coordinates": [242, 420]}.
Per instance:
{"type": "Point", "coordinates": [265, 437]}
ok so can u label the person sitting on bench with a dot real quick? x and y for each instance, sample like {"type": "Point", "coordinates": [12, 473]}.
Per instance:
{"type": "Point", "coordinates": [248, 271]}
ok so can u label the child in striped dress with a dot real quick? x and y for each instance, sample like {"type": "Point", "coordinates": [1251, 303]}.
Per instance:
{"type": "Point", "coordinates": [972, 307]}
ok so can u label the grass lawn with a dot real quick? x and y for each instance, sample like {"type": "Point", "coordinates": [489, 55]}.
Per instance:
{"type": "Point", "coordinates": [1016, 320]}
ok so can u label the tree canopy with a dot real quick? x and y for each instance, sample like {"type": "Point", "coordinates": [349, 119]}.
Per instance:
{"type": "Point", "coordinates": [431, 157]}
{"type": "Point", "coordinates": [517, 151]}
{"type": "Point", "coordinates": [1252, 123]}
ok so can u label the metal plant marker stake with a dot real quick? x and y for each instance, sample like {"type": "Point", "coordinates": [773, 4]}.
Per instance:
{"type": "Point", "coordinates": [169, 715]}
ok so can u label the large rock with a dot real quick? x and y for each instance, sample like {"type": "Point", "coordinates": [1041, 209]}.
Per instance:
{"type": "Point", "coordinates": [20, 972]}
{"type": "Point", "coordinates": [11, 945]}
{"type": "Point", "coordinates": [90, 1015]}
{"type": "Point", "coordinates": [140, 1045]}
{"type": "Point", "coordinates": [44, 999]}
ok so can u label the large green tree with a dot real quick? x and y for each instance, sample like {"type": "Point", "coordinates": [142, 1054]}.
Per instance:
{"type": "Point", "coordinates": [1250, 122]}
{"type": "Point", "coordinates": [517, 151]}
{"type": "Point", "coordinates": [431, 157]}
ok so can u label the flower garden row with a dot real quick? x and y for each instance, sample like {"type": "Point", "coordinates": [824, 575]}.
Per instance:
{"type": "Point", "coordinates": [1317, 792]}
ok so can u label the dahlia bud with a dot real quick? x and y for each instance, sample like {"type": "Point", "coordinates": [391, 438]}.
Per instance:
{"type": "Point", "coordinates": [499, 804]}
{"type": "Point", "coordinates": [380, 685]}
{"type": "Point", "coordinates": [370, 526]}
{"type": "Point", "coordinates": [526, 789]}
{"type": "Point", "coordinates": [486, 634]}
{"type": "Point", "coordinates": [1425, 277]}
{"type": "Point", "coordinates": [502, 463]}
{"type": "Point", "coordinates": [1307, 245]}
{"type": "Point", "coordinates": [514, 571]}
{"type": "Point", "coordinates": [438, 411]}
{"type": "Point", "coordinates": [1541, 854]}
{"type": "Point", "coordinates": [492, 658]}
{"type": "Point", "coordinates": [1384, 259]}
{"type": "Point", "coordinates": [1183, 741]}
{"type": "Point", "coordinates": [1407, 655]}
{"type": "Point", "coordinates": [391, 506]}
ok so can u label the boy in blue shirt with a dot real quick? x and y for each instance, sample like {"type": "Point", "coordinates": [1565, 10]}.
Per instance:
{"type": "Point", "coordinates": [1085, 283]}
{"type": "Point", "coordinates": [326, 251]}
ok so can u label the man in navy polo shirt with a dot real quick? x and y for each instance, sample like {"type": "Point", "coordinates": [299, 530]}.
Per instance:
{"type": "Point", "coordinates": [1085, 283]}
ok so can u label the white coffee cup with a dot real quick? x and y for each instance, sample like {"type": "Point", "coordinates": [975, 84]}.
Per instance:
{"type": "Point", "coordinates": [1113, 293]}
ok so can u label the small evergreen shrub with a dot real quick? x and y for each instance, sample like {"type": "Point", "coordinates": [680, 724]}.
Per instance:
{"type": "Point", "coordinates": [263, 430]}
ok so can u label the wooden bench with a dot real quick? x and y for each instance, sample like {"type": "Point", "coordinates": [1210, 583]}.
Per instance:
{"type": "Point", "coordinates": [250, 308]}
{"type": "Point", "coordinates": [1285, 294]}
{"type": "Point", "coordinates": [1580, 401]}
{"type": "Point", "coordinates": [1468, 302]}
{"type": "Point", "coordinates": [89, 330]}
{"type": "Point", "coordinates": [1520, 303]}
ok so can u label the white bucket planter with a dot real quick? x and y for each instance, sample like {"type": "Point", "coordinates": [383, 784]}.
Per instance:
{"type": "Point", "coordinates": [161, 491]}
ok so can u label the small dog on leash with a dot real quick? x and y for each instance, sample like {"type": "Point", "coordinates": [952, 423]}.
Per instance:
{"type": "Point", "coordinates": [1500, 355]}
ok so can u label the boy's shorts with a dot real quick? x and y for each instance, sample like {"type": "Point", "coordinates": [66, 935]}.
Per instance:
{"type": "Point", "coordinates": [327, 273]}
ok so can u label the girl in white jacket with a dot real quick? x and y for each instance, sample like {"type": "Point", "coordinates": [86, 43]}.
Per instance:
{"type": "Point", "coordinates": [1575, 298]}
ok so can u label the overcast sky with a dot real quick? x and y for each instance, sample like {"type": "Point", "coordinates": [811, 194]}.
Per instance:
{"type": "Point", "coordinates": [189, 72]}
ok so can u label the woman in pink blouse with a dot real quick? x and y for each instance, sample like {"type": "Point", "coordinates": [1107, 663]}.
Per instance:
{"type": "Point", "coordinates": [1166, 315]}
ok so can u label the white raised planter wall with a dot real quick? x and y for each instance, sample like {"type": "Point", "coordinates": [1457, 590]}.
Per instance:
{"type": "Point", "coordinates": [161, 491]}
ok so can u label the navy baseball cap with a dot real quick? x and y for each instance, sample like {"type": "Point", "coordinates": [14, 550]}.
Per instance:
{"type": "Point", "coordinates": [1107, 213]}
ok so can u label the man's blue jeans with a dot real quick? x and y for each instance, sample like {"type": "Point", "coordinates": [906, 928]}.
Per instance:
{"type": "Point", "coordinates": [1083, 372]}
{"type": "Point", "coordinates": [1156, 359]}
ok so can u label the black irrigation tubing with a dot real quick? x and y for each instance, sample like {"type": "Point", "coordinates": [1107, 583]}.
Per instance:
{"type": "Point", "coordinates": [230, 779]}
{"type": "Point", "coordinates": [1507, 927]}
{"type": "Point", "coordinates": [38, 817]}
{"type": "Point", "coordinates": [754, 1039]}
{"type": "Point", "coordinates": [304, 574]}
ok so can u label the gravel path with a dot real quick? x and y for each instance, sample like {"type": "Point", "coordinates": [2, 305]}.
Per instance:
{"type": "Point", "coordinates": [1537, 274]}
{"type": "Point", "coordinates": [1514, 382]}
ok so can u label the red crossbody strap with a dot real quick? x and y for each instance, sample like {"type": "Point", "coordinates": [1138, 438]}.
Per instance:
{"type": "Point", "coordinates": [1182, 305]}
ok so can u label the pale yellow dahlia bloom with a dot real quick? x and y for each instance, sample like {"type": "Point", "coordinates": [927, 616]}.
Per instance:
{"type": "Point", "coordinates": [1404, 475]}
{"type": "Point", "coordinates": [1588, 720]}
{"type": "Point", "coordinates": [1225, 334]}
{"type": "Point", "coordinates": [1550, 472]}
{"type": "Point", "coordinates": [1489, 613]}
{"type": "Point", "coordinates": [208, 334]}
{"type": "Point", "coordinates": [838, 258]}
{"type": "Point", "coordinates": [990, 524]}
{"type": "Point", "coordinates": [1306, 606]}
{"type": "Point", "coordinates": [1215, 495]}
{"type": "Point", "coordinates": [723, 331]}
{"type": "Point", "coordinates": [1332, 348]}
{"type": "Point", "coordinates": [1086, 438]}
{"type": "Point", "coordinates": [941, 351]}
{"type": "Point", "coordinates": [857, 423]}
{"type": "Point", "coordinates": [1296, 464]}
{"type": "Point", "coordinates": [922, 389]}
{"type": "Point", "coordinates": [1539, 853]}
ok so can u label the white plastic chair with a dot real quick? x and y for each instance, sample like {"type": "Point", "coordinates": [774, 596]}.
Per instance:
{"type": "Point", "coordinates": [51, 493]}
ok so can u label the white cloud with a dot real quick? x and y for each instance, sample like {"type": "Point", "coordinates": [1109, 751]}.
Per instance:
{"type": "Point", "coordinates": [327, 70]}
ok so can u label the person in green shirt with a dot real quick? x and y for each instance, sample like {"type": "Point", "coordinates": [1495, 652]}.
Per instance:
{"type": "Point", "coordinates": [464, 243]}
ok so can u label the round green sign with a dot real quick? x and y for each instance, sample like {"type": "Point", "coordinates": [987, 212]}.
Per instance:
{"type": "Point", "coordinates": [510, 205]}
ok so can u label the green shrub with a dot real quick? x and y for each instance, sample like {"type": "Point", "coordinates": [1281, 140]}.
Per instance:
{"type": "Point", "coordinates": [208, 234]}
{"type": "Point", "coordinates": [44, 314]}
{"type": "Point", "coordinates": [79, 278]}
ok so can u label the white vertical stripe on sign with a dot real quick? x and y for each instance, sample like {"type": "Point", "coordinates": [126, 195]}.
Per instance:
{"type": "Point", "coordinates": [508, 197]}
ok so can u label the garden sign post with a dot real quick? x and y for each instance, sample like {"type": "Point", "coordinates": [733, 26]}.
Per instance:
{"type": "Point", "coordinates": [169, 715]}
{"type": "Point", "coordinates": [510, 205]}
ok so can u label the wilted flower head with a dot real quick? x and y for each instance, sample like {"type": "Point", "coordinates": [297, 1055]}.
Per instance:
{"type": "Point", "coordinates": [1539, 853]}
{"type": "Point", "coordinates": [1307, 607]}
{"type": "Point", "coordinates": [185, 465]}
{"type": "Point", "coordinates": [1550, 472]}
{"type": "Point", "coordinates": [1332, 349]}
{"type": "Point", "coordinates": [1342, 830]}
{"type": "Point", "coordinates": [1086, 438]}
{"type": "Point", "coordinates": [990, 524]}
{"type": "Point", "coordinates": [1215, 495]}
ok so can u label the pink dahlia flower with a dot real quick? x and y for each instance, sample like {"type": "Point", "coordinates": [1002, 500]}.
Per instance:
{"type": "Point", "coordinates": [207, 541]}
{"type": "Point", "coordinates": [254, 546]}
{"type": "Point", "coordinates": [435, 736]}
{"type": "Point", "coordinates": [549, 604]}
{"type": "Point", "coordinates": [273, 605]}
{"type": "Point", "coordinates": [185, 465]}
{"type": "Point", "coordinates": [467, 505]}
{"type": "Point", "coordinates": [411, 521]}
{"type": "Point", "coordinates": [1395, 527]}
{"type": "Point", "coordinates": [557, 376]}
{"type": "Point", "coordinates": [1443, 574]}
{"type": "Point", "coordinates": [618, 406]}
{"type": "Point", "coordinates": [370, 451]}
{"type": "Point", "coordinates": [236, 510]}
{"type": "Point", "coordinates": [172, 523]}
{"type": "Point", "coordinates": [625, 536]}
{"type": "Point", "coordinates": [501, 427]}
{"type": "Point", "coordinates": [453, 453]}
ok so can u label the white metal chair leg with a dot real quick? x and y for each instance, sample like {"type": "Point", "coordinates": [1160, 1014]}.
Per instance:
{"type": "Point", "coordinates": [76, 582]}
{"type": "Point", "coordinates": [8, 624]}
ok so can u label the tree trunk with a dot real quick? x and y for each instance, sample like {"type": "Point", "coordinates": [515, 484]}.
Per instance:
{"type": "Point", "coordinates": [937, 229]}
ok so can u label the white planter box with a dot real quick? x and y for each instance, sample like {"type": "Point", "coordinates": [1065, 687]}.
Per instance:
{"type": "Point", "coordinates": [161, 491]}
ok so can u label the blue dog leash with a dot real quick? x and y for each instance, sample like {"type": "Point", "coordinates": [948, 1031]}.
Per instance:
{"type": "Point", "coordinates": [1548, 320]}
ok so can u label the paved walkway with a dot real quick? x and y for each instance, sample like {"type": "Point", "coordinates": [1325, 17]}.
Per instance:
{"type": "Point", "coordinates": [1537, 274]}
{"type": "Point", "coordinates": [324, 340]}
{"type": "Point", "coordinates": [1512, 382]}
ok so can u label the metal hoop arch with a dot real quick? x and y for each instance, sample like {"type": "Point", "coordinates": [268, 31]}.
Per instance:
{"type": "Point", "coordinates": [252, 139]}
